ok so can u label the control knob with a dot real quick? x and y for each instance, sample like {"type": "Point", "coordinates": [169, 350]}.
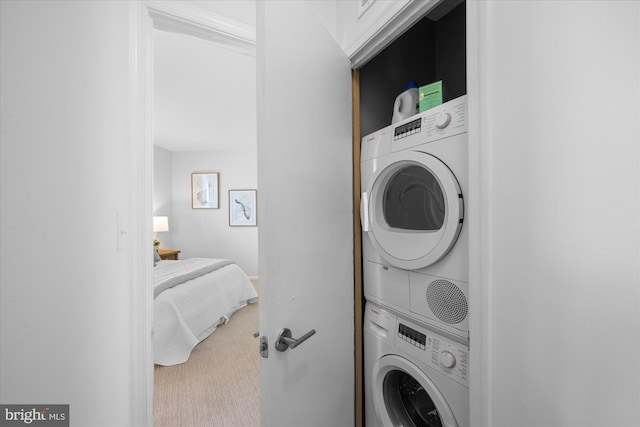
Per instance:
{"type": "Point", "coordinates": [443, 120]}
{"type": "Point", "coordinates": [447, 359]}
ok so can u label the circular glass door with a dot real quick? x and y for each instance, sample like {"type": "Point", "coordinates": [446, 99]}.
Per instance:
{"type": "Point", "coordinates": [407, 401]}
{"type": "Point", "coordinates": [415, 209]}
{"type": "Point", "coordinates": [405, 396]}
{"type": "Point", "coordinates": [413, 200]}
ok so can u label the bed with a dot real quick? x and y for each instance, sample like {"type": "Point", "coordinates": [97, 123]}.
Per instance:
{"type": "Point", "coordinates": [192, 297]}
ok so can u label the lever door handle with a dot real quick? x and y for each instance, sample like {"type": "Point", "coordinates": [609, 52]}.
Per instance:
{"type": "Point", "coordinates": [285, 341]}
{"type": "Point", "coordinates": [364, 211]}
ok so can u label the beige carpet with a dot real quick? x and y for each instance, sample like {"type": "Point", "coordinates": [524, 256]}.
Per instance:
{"type": "Point", "coordinates": [219, 385]}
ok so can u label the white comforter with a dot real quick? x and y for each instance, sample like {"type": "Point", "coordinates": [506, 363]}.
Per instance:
{"type": "Point", "coordinates": [187, 313]}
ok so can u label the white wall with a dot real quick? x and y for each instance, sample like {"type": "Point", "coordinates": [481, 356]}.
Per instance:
{"type": "Point", "coordinates": [560, 118]}
{"type": "Point", "coordinates": [64, 305]}
{"type": "Point", "coordinates": [206, 232]}
{"type": "Point", "coordinates": [163, 192]}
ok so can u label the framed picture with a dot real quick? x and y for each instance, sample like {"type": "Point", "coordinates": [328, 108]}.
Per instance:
{"type": "Point", "coordinates": [363, 5]}
{"type": "Point", "coordinates": [243, 208]}
{"type": "Point", "coordinates": [205, 190]}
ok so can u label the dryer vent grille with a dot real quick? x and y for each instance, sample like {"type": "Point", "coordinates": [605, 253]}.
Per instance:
{"type": "Point", "coordinates": [447, 302]}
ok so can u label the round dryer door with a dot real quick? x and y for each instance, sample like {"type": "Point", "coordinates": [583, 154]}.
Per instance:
{"type": "Point", "coordinates": [404, 395]}
{"type": "Point", "coordinates": [415, 209]}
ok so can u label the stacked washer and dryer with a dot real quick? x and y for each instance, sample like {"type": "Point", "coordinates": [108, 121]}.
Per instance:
{"type": "Point", "coordinates": [416, 335]}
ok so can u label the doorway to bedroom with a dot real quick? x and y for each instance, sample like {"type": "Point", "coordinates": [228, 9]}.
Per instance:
{"type": "Point", "coordinates": [204, 122]}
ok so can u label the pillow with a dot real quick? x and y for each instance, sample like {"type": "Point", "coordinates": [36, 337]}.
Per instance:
{"type": "Point", "coordinates": [156, 257]}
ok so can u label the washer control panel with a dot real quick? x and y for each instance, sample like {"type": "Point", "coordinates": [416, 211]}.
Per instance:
{"type": "Point", "coordinates": [446, 356]}
{"type": "Point", "coordinates": [412, 336]}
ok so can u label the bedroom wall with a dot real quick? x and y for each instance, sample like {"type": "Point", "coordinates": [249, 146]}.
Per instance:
{"type": "Point", "coordinates": [206, 232]}
{"type": "Point", "coordinates": [162, 192]}
{"type": "Point", "coordinates": [204, 120]}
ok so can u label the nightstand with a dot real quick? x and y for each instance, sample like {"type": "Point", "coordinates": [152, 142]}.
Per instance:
{"type": "Point", "coordinates": [168, 254]}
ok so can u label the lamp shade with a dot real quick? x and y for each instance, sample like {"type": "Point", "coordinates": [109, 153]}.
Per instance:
{"type": "Point", "coordinates": [160, 223]}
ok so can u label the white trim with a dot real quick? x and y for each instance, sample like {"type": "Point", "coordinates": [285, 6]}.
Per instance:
{"type": "Point", "coordinates": [391, 24]}
{"type": "Point", "coordinates": [144, 16]}
{"type": "Point", "coordinates": [141, 171]}
{"type": "Point", "coordinates": [479, 219]}
{"type": "Point", "coordinates": [181, 17]}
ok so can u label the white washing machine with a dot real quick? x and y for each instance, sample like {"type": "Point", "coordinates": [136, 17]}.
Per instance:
{"type": "Point", "coordinates": [413, 183]}
{"type": "Point", "coordinates": [413, 376]}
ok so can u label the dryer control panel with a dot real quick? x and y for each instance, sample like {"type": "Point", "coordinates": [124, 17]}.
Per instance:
{"type": "Point", "coordinates": [444, 355]}
{"type": "Point", "coordinates": [439, 122]}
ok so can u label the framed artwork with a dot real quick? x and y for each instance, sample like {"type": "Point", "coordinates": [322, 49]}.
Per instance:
{"type": "Point", "coordinates": [363, 5]}
{"type": "Point", "coordinates": [243, 208]}
{"type": "Point", "coordinates": [205, 190]}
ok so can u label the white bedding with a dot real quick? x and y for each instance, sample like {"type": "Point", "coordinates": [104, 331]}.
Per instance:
{"type": "Point", "coordinates": [189, 312]}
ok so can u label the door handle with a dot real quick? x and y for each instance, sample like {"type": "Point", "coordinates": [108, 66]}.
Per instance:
{"type": "Point", "coordinates": [285, 341]}
{"type": "Point", "coordinates": [364, 211]}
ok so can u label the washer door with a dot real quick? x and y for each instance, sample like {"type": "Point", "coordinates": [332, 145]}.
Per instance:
{"type": "Point", "coordinates": [415, 209]}
{"type": "Point", "coordinates": [403, 395]}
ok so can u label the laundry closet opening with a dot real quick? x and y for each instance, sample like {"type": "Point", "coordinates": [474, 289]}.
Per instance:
{"type": "Point", "coordinates": [411, 180]}
{"type": "Point", "coordinates": [433, 49]}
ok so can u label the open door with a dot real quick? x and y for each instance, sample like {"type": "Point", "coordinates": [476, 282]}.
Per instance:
{"type": "Point", "coordinates": [306, 219]}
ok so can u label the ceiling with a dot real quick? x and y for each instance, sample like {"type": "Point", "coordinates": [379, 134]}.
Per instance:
{"type": "Point", "coordinates": [204, 94]}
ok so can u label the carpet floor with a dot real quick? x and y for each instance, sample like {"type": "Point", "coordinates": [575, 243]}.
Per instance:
{"type": "Point", "coordinates": [219, 386]}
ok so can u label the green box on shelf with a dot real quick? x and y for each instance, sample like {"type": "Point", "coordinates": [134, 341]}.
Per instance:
{"type": "Point", "coordinates": [430, 95]}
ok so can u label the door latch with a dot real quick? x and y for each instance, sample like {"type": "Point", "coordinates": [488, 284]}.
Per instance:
{"type": "Point", "coordinates": [264, 345]}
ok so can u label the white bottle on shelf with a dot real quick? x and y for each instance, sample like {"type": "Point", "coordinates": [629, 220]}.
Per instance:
{"type": "Point", "coordinates": [406, 104]}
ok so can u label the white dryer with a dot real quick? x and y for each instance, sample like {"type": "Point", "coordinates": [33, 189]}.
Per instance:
{"type": "Point", "coordinates": [413, 183]}
{"type": "Point", "coordinates": [413, 376]}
